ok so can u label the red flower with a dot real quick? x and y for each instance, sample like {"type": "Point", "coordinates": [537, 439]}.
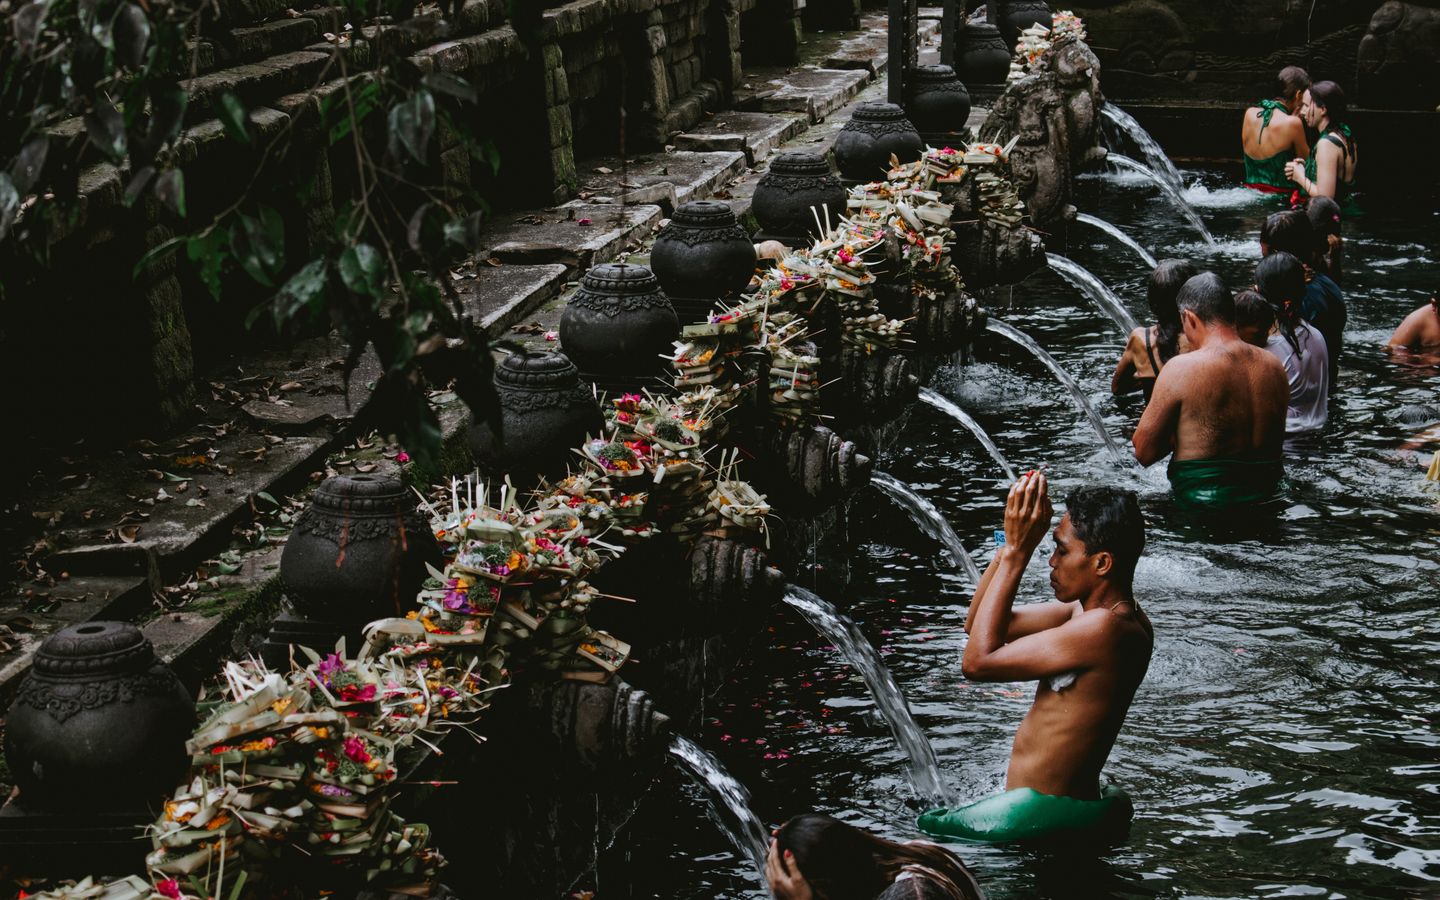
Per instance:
{"type": "Point", "coordinates": [169, 888]}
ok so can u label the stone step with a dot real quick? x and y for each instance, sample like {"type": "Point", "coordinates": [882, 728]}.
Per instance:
{"type": "Point", "coordinates": [755, 134]}
{"type": "Point", "coordinates": [813, 91]}
{"type": "Point", "coordinates": [665, 179]}
{"type": "Point", "coordinates": [577, 235]}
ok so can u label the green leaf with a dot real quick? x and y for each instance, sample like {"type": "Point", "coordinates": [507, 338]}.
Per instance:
{"type": "Point", "coordinates": [137, 185]}
{"type": "Point", "coordinates": [453, 85]}
{"type": "Point", "coordinates": [362, 268]}
{"type": "Point", "coordinates": [9, 204]}
{"type": "Point", "coordinates": [209, 251]}
{"type": "Point", "coordinates": [465, 232]}
{"type": "Point", "coordinates": [265, 495]}
{"type": "Point", "coordinates": [106, 128]}
{"type": "Point", "coordinates": [29, 163]}
{"type": "Point", "coordinates": [304, 289]}
{"type": "Point", "coordinates": [131, 35]}
{"type": "Point", "coordinates": [492, 155]}
{"type": "Point", "coordinates": [27, 23]}
{"type": "Point", "coordinates": [232, 115]}
{"type": "Point", "coordinates": [366, 99]}
{"type": "Point", "coordinates": [170, 189]}
{"type": "Point", "coordinates": [258, 244]}
{"type": "Point", "coordinates": [155, 253]}
{"type": "Point", "coordinates": [413, 122]}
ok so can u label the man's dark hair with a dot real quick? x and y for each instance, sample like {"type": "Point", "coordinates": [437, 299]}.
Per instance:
{"type": "Point", "coordinates": [1290, 231]}
{"type": "Point", "coordinates": [1108, 519]}
{"type": "Point", "coordinates": [1205, 295]}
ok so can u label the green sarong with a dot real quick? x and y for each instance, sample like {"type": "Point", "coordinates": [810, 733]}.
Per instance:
{"type": "Point", "coordinates": [1025, 814]}
{"type": "Point", "coordinates": [1220, 483]}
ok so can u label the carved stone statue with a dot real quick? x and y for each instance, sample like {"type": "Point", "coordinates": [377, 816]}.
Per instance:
{"type": "Point", "coordinates": [1053, 116]}
{"type": "Point", "coordinates": [1398, 62]}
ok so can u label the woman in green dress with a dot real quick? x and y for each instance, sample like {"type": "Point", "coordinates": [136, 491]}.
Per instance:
{"type": "Point", "coordinates": [1272, 134]}
{"type": "Point", "coordinates": [1329, 169]}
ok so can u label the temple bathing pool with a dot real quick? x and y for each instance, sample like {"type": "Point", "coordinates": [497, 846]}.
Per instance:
{"type": "Point", "coordinates": [1284, 742]}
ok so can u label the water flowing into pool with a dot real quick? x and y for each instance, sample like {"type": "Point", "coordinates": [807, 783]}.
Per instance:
{"type": "Point", "coordinates": [953, 410]}
{"type": "Point", "coordinates": [1150, 148]}
{"type": "Point", "coordinates": [1284, 741]}
{"type": "Point", "coordinates": [928, 519]}
{"type": "Point", "coordinates": [1118, 235]}
{"type": "Point", "coordinates": [1096, 290]}
{"type": "Point", "coordinates": [863, 657]}
{"type": "Point", "coordinates": [1082, 403]}
{"type": "Point", "coordinates": [728, 803]}
{"type": "Point", "coordinates": [1175, 197]}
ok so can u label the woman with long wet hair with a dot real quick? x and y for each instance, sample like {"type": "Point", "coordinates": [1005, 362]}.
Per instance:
{"type": "Point", "coordinates": [818, 857]}
{"type": "Point", "coordinates": [1329, 170]}
{"type": "Point", "coordinates": [1298, 345]}
{"type": "Point", "coordinates": [1151, 346]}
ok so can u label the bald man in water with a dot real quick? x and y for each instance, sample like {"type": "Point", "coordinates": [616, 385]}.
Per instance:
{"type": "Point", "coordinates": [1219, 410]}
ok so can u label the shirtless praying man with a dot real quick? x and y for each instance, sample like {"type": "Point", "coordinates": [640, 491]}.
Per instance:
{"type": "Point", "coordinates": [1089, 649]}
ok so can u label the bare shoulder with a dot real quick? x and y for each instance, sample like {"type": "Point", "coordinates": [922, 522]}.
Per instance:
{"type": "Point", "coordinates": [1124, 622]}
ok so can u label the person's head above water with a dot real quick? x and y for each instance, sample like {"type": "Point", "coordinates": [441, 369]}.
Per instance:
{"type": "Point", "coordinates": [1291, 85]}
{"type": "Point", "coordinates": [1281, 278]}
{"type": "Point", "coordinates": [1164, 283]}
{"type": "Point", "coordinates": [1289, 231]}
{"type": "Point", "coordinates": [1324, 216]}
{"type": "Point", "coordinates": [1098, 540]}
{"type": "Point", "coordinates": [1325, 106]}
{"type": "Point", "coordinates": [841, 862]}
{"type": "Point", "coordinates": [1205, 303]}
{"type": "Point", "coordinates": [1253, 317]}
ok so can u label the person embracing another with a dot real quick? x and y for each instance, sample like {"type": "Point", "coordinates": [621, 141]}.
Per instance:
{"type": "Point", "coordinates": [1089, 650]}
{"type": "Point", "coordinates": [1329, 169]}
{"type": "Point", "coordinates": [1272, 134]}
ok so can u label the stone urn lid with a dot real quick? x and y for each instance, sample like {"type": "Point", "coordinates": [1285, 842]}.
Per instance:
{"type": "Point", "coordinates": [799, 162]}
{"type": "Point", "coordinates": [536, 370]}
{"type": "Point", "coordinates": [877, 115]}
{"type": "Point", "coordinates": [94, 649]}
{"type": "Point", "coordinates": [613, 286]}
{"type": "Point", "coordinates": [934, 75]}
{"type": "Point", "coordinates": [705, 214]}
{"type": "Point", "coordinates": [359, 494]}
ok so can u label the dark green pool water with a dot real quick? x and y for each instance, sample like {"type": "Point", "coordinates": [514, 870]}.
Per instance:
{"type": "Point", "coordinates": [1284, 743]}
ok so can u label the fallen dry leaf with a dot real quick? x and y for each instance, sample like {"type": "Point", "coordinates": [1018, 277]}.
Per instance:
{"type": "Point", "coordinates": [603, 170]}
{"type": "Point", "coordinates": [128, 533]}
{"type": "Point", "coordinates": [291, 386]}
{"type": "Point", "coordinates": [364, 468]}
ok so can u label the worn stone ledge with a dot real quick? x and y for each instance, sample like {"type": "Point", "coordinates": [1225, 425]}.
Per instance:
{"type": "Point", "coordinates": [813, 91]}
{"type": "Point", "coordinates": [755, 134]}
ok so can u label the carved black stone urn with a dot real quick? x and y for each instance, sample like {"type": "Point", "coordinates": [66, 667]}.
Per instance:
{"type": "Point", "coordinates": [545, 411]}
{"type": "Point", "coordinates": [784, 196]}
{"type": "Point", "coordinates": [982, 57]}
{"type": "Point", "coordinates": [618, 325]}
{"type": "Point", "coordinates": [701, 256]}
{"type": "Point", "coordinates": [357, 553]}
{"type": "Point", "coordinates": [938, 103]}
{"type": "Point", "coordinates": [1014, 16]}
{"type": "Point", "coordinates": [875, 132]}
{"type": "Point", "coordinates": [99, 724]}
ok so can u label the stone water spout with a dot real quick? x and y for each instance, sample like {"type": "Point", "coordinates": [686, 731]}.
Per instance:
{"type": "Point", "coordinates": [816, 465]}
{"type": "Point", "coordinates": [599, 724]}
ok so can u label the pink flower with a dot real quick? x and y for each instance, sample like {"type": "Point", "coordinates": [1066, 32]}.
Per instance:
{"type": "Point", "coordinates": [552, 335]}
{"type": "Point", "coordinates": [402, 457]}
{"type": "Point", "coordinates": [329, 666]}
{"type": "Point", "coordinates": [169, 888]}
{"type": "Point", "coordinates": [582, 221]}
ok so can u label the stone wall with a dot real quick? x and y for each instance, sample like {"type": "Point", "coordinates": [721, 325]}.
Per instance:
{"type": "Point", "coordinates": [1231, 50]}
{"type": "Point", "coordinates": [121, 356]}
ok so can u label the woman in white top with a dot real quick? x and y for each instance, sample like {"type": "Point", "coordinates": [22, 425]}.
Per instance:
{"type": "Point", "coordinates": [1298, 345]}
